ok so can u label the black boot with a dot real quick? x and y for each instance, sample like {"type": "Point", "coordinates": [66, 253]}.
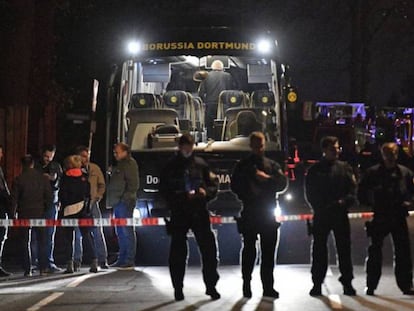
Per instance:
{"type": "Point", "coordinates": [247, 291]}
{"type": "Point", "coordinates": [178, 294]}
{"type": "Point", "coordinates": [213, 293]}
{"type": "Point", "coordinates": [316, 290]}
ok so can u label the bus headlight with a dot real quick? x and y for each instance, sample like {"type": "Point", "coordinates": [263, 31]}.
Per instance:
{"type": "Point", "coordinates": [264, 46]}
{"type": "Point", "coordinates": [134, 47]}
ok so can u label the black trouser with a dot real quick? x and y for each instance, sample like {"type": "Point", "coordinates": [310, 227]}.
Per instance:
{"type": "Point", "coordinates": [268, 240]}
{"type": "Point", "coordinates": [87, 237]}
{"type": "Point", "coordinates": [380, 228]}
{"type": "Point", "coordinates": [322, 226]}
{"type": "Point", "coordinates": [199, 223]}
{"type": "Point", "coordinates": [210, 115]}
{"type": "Point", "coordinates": [26, 236]}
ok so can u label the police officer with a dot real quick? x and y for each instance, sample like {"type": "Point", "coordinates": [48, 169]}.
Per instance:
{"type": "Point", "coordinates": [330, 189]}
{"type": "Point", "coordinates": [388, 188]}
{"type": "Point", "coordinates": [187, 185]}
{"type": "Point", "coordinates": [255, 180]}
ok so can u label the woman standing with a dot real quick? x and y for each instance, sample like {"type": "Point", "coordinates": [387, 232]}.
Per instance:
{"type": "Point", "coordinates": [74, 197]}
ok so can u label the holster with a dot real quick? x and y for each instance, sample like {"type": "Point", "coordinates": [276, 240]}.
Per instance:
{"type": "Point", "coordinates": [168, 226]}
{"type": "Point", "coordinates": [368, 228]}
{"type": "Point", "coordinates": [240, 224]}
{"type": "Point", "coordinates": [309, 227]}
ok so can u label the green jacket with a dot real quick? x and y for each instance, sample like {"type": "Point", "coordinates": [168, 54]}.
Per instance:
{"type": "Point", "coordinates": [124, 182]}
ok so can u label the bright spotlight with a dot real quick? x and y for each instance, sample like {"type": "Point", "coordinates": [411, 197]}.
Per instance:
{"type": "Point", "coordinates": [134, 47]}
{"type": "Point", "coordinates": [264, 46]}
{"type": "Point", "coordinates": [288, 197]}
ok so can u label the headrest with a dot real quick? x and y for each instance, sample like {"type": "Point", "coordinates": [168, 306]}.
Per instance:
{"type": "Point", "coordinates": [142, 100]}
{"type": "Point", "coordinates": [175, 99]}
{"type": "Point", "coordinates": [231, 98]}
{"type": "Point", "coordinates": [263, 98]}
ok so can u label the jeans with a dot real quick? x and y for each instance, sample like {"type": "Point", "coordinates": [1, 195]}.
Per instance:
{"type": "Point", "coordinates": [50, 234]}
{"type": "Point", "coordinates": [3, 233]}
{"type": "Point", "coordinates": [26, 238]}
{"type": "Point", "coordinates": [126, 235]}
{"type": "Point", "coordinates": [98, 238]}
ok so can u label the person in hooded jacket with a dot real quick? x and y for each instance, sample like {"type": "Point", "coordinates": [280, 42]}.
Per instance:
{"type": "Point", "coordinates": [74, 196]}
{"type": "Point", "coordinates": [187, 185]}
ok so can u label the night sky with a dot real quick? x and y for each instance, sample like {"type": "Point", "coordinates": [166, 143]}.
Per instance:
{"type": "Point", "coordinates": [316, 39]}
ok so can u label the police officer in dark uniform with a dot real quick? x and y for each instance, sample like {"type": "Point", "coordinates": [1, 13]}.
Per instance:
{"type": "Point", "coordinates": [388, 188]}
{"type": "Point", "coordinates": [187, 185]}
{"type": "Point", "coordinates": [255, 180]}
{"type": "Point", "coordinates": [330, 190]}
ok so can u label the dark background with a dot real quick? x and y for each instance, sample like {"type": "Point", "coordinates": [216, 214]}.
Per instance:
{"type": "Point", "coordinates": [338, 50]}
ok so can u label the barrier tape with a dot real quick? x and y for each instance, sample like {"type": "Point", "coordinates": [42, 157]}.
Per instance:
{"type": "Point", "coordinates": [145, 222]}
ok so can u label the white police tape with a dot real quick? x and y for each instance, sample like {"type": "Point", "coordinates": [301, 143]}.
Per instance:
{"type": "Point", "coordinates": [144, 222]}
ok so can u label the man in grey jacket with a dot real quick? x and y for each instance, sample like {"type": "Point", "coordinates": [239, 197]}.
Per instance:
{"type": "Point", "coordinates": [122, 196]}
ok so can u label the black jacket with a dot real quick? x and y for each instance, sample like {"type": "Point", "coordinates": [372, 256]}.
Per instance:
{"type": "Point", "coordinates": [181, 175]}
{"type": "Point", "coordinates": [52, 168]}
{"type": "Point", "coordinates": [32, 194]}
{"type": "Point", "coordinates": [386, 189]}
{"type": "Point", "coordinates": [254, 192]}
{"type": "Point", "coordinates": [328, 182]}
{"type": "Point", "coordinates": [74, 189]}
{"type": "Point", "coordinates": [212, 86]}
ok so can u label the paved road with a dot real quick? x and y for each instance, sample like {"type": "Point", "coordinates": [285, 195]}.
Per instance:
{"type": "Point", "coordinates": [149, 288]}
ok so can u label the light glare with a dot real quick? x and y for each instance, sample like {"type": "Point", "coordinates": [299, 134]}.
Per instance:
{"type": "Point", "coordinates": [134, 47]}
{"type": "Point", "coordinates": [264, 46]}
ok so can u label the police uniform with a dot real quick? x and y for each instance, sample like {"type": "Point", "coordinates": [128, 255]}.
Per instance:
{"type": "Point", "coordinates": [180, 177]}
{"type": "Point", "coordinates": [330, 189]}
{"type": "Point", "coordinates": [385, 189]}
{"type": "Point", "coordinates": [257, 216]}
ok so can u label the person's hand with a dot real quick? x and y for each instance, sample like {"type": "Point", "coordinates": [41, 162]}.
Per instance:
{"type": "Point", "coordinates": [51, 177]}
{"type": "Point", "coordinates": [202, 192]}
{"type": "Point", "coordinates": [260, 175]}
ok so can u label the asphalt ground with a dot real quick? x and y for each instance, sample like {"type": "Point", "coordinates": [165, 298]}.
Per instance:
{"type": "Point", "coordinates": [149, 288]}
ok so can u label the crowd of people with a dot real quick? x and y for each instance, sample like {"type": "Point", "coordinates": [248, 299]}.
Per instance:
{"type": "Point", "coordinates": [44, 190]}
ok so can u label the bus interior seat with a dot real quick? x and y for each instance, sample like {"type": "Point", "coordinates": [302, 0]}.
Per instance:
{"type": "Point", "coordinates": [180, 102]}
{"type": "Point", "coordinates": [262, 99]}
{"type": "Point", "coordinates": [244, 124]}
{"type": "Point", "coordinates": [143, 100]}
{"type": "Point", "coordinates": [230, 99]}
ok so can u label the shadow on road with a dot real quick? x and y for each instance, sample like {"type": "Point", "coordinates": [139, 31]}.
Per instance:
{"type": "Point", "coordinates": [372, 305]}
